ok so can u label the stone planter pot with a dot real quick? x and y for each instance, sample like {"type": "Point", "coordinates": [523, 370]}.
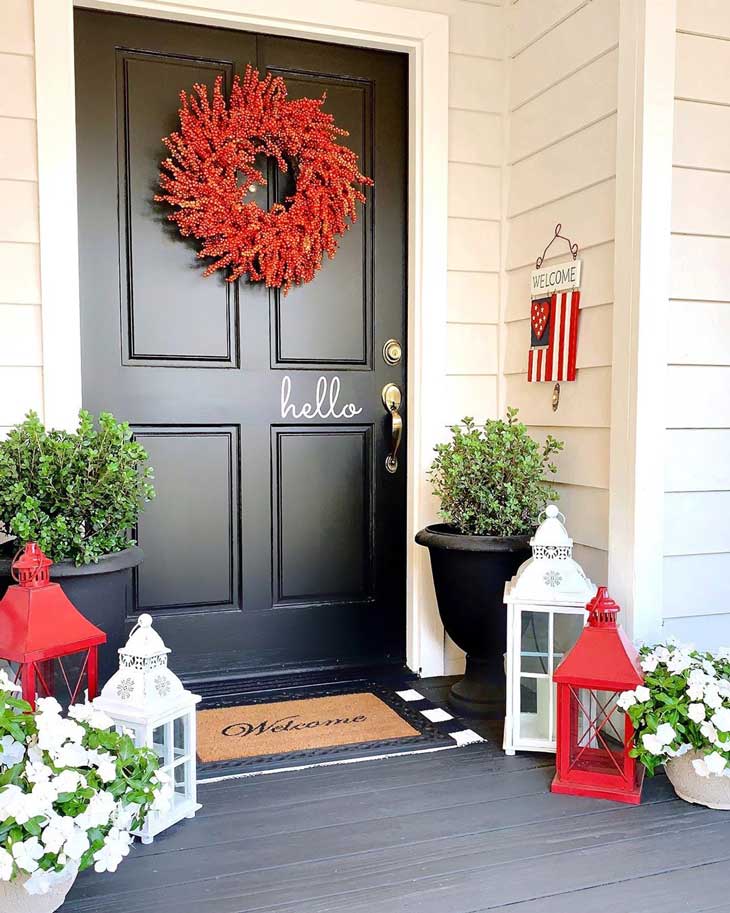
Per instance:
{"type": "Point", "coordinates": [713, 792]}
{"type": "Point", "coordinates": [469, 574]}
{"type": "Point", "coordinates": [15, 899]}
{"type": "Point", "coordinates": [102, 592]}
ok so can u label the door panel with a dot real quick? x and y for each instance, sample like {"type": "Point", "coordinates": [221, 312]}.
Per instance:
{"type": "Point", "coordinates": [278, 537]}
{"type": "Point", "coordinates": [152, 257]}
{"type": "Point", "coordinates": [322, 482]}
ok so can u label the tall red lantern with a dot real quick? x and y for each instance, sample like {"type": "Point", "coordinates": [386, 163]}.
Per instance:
{"type": "Point", "coordinates": [43, 636]}
{"type": "Point", "coordinates": [594, 736]}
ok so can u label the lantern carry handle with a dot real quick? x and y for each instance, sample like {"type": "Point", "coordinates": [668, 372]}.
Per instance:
{"type": "Point", "coordinates": [144, 621]}
{"type": "Point", "coordinates": [551, 510]}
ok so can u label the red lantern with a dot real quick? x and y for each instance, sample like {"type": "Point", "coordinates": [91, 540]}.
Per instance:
{"type": "Point", "coordinates": [39, 626]}
{"type": "Point", "coordinates": [594, 736]}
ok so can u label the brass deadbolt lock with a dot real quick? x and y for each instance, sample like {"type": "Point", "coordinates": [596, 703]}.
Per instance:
{"type": "Point", "coordinates": [392, 352]}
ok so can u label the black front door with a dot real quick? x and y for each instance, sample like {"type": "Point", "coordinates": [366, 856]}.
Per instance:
{"type": "Point", "coordinates": [277, 538]}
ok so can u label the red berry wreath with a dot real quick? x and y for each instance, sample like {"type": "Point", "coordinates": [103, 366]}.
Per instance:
{"type": "Point", "coordinates": [218, 143]}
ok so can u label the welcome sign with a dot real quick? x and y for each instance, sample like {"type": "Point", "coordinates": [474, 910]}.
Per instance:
{"type": "Point", "coordinates": [560, 277]}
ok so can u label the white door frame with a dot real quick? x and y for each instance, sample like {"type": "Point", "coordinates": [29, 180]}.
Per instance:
{"type": "Point", "coordinates": [424, 37]}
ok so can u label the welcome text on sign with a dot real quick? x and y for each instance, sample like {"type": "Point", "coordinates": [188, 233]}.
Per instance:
{"type": "Point", "coordinates": [556, 278]}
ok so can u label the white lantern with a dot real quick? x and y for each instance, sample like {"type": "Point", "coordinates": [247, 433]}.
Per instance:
{"type": "Point", "coordinates": [146, 697]}
{"type": "Point", "coordinates": [546, 611]}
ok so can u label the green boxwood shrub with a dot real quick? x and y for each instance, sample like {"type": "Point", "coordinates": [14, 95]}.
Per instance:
{"type": "Point", "coordinates": [491, 478]}
{"type": "Point", "coordinates": [77, 494]}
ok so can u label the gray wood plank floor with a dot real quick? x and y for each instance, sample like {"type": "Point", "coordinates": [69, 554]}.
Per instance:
{"type": "Point", "coordinates": [461, 831]}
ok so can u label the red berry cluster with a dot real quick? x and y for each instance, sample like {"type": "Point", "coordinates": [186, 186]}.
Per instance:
{"type": "Point", "coordinates": [212, 165]}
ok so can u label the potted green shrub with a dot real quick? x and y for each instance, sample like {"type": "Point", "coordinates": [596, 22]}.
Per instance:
{"type": "Point", "coordinates": [78, 495]}
{"type": "Point", "coordinates": [71, 790]}
{"type": "Point", "coordinates": [491, 483]}
{"type": "Point", "coordinates": [681, 717]}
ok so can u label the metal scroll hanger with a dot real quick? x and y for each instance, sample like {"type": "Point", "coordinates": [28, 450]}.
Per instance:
{"type": "Point", "coordinates": [571, 244]}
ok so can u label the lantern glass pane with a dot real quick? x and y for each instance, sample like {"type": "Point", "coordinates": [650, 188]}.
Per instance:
{"type": "Point", "coordinates": [534, 708]}
{"type": "Point", "coordinates": [179, 779]}
{"type": "Point", "coordinates": [596, 744]}
{"type": "Point", "coordinates": [158, 743]}
{"type": "Point", "coordinates": [179, 736]}
{"type": "Point", "coordinates": [535, 643]}
{"type": "Point", "coordinates": [566, 631]}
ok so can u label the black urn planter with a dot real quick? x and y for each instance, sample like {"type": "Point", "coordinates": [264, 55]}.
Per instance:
{"type": "Point", "coordinates": [469, 574]}
{"type": "Point", "coordinates": [102, 592]}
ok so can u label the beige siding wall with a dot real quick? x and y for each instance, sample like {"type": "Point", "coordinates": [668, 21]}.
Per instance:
{"type": "Point", "coordinates": [476, 129]}
{"type": "Point", "coordinates": [561, 155]}
{"type": "Point", "coordinates": [697, 466]}
{"type": "Point", "coordinates": [20, 318]}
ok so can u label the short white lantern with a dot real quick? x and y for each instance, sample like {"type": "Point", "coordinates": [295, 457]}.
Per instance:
{"type": "Point", "coordinates": [146, 697]}
{"type": "Point", "coordinates": [546, 611]}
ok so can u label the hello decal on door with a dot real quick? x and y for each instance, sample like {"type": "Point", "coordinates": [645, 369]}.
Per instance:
{"type": "Point", "coordinates": [325, 404]}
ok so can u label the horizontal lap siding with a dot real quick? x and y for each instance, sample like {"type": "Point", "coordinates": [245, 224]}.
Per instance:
{"type": "Point", "coordinates": [477, 36]}
{"type": "Point", "coordinates": [697, 473]}
{"type": "Point", "coordinates": [20, 317]}
{"type": "Point", "coordinates": [562, 164]}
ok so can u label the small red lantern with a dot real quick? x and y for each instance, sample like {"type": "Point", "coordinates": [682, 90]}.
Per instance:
{"type": "Point", "coordinates": [594, 736]}
{"type": "Point", "coordinates": [39, 626]}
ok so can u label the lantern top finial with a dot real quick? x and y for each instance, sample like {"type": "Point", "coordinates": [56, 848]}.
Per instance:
{"type": "Point", "coordinates": [602, 610]}
{"type": "Point", "coordinates": [30, 568]}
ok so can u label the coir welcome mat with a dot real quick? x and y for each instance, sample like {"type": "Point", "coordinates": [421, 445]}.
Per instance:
{"type": "Point", "coordinates": [340, 727]}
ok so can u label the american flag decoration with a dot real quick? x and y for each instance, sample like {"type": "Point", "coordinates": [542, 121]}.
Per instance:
{"type": "Point", "coordinates": [553, 337]}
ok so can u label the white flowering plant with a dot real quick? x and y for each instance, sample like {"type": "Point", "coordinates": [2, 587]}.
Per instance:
{"type": "Point", "coordinates": [71, 790]}
{"type": "Point", "coordinates": [684, 704]}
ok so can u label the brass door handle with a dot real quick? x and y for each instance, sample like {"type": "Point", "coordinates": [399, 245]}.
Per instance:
{"type": "Point", "coordinates": [392, 399]}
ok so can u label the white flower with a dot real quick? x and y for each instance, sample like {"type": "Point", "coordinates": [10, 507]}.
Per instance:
{"type": "Point", "coordinates": [64, 833]}
{"type": "Point", "coordinates": [116, 847]}
{"type": "Point", "coordinates": [696, 712]}
{"type": "Point", "coordinates": [723, 653]}
{"type": "Point", "coordinates": [642, 694]}
{"type": "Point", "coordinates": [11, 751]}
{"type": "Point", "coordinates": [709, 668]}
{"type": "Point", "coordinates": [652, 743]}
{"type": "Point", "coordinates": [77, 843]}
{"type": "Point", "coordinates": [37, 772]}
{"type": "Point", "coordinates": [87, 713]}
{"type": "Point", "coordinates": [27, 853]}
{"type": "Point", "coordinates": [626, 699]}
{"type": "Point", "coordinates": [649, 663]}
{"type": "Point", "coordinates": [695, 691]}
{"type": "Point", "coordinates": [700, 767]}
{"type": "Point", "coordinates": [53, 836]}
{"type": "Point", "coordinates": [665, 733]}
{"type": "Point", "coordinates": [6, 865]}
{"type": "Point", "coordinates": [68, 781]}
{"type": "Point", "coordinates": [662, 654]}
{"type": "Point", "coordinates": [6, 684]}
{"type": "Point", "coordinates": [721, 719]}
{"type": "Point", "coordinates": [100, 809]}
{"type": "Point", "coordinates": [9, 796]}
{"type": "Point", "coordinates": [48, 705]}
{"type": "Point", "coordinates": [105, 764]}
{"type": "Point", "coordinates": [70, 755]}
{"type": "Point", "coordinates": [679, 662]}
{"type": "Point", "coordinates": [712, 697]}
{"type": "Point", "coordinates": [716, 763]}
{"type": "Point", "coordinates": [708, 731]}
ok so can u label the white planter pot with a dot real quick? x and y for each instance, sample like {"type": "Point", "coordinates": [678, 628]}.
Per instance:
{"type": "Point", "coordinates": [714, 792]}
{"type": "Point", "coordinates": [15, 899]}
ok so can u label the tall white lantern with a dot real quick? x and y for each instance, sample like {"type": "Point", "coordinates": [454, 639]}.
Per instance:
{"type": "Point", "coordinates": [546, 602]}
{"type": "Point", "coordinates": [146, 697]}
